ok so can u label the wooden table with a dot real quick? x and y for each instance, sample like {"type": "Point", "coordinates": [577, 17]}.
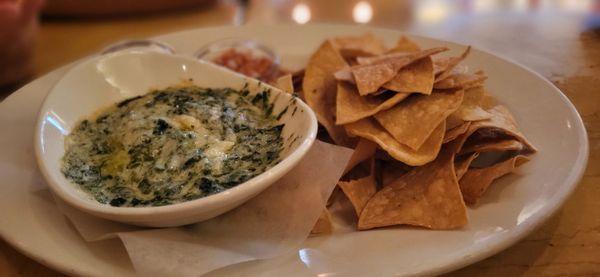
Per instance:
{"type": "Point", "coordinates": [559, 39]}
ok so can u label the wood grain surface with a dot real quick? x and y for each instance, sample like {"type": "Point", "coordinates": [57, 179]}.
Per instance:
{"type": "Point", "coordinates": [559, 39]}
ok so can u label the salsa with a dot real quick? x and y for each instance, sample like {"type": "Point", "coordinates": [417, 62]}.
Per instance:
{"type": "Point", "coordinates": [173, 145]}
{"type": "Point", "coordinates": [244, 62]}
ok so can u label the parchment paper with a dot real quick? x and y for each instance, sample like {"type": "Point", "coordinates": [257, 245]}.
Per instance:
{"type": "Point", "coordinates": [275, 222]}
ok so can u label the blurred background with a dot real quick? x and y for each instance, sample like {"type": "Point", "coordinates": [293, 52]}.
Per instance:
{"type": "Point", "coordinates": [70, 29]}
{"type": "Point", "coordinates": [560, 39]}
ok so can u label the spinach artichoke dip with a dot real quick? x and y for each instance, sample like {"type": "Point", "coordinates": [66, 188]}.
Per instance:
{"type": "Point", "coordinates": [173, 145]}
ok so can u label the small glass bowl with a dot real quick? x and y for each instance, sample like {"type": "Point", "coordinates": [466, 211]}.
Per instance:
{"type": "Point", "coordinates": [141, 44]}
{"type": "Point", "coordinates": [214, 49]}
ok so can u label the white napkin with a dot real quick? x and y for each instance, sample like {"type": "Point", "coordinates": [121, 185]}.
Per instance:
{"type": "Point", "coordinates": [273, 223]}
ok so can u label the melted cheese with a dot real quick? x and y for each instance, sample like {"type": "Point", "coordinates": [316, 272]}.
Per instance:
{"type": "Point", "coordinates": [172, 146]}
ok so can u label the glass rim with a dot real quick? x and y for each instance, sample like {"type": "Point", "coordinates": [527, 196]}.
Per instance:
{"type": "Point", "coordinates": [131, 43]}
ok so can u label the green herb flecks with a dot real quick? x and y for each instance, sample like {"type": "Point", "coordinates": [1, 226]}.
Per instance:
{"type": "Point", "coordinates": [173, 145]}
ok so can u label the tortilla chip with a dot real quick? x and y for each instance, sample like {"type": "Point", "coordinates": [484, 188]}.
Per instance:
{"type": "Point", "coordinates": [351, 107]}
{"type": "Point", "coordinates": [364, 150]}
{"type": "Point", "coordinates": [476, 180]}
{"type": "Point", "coordinates": [365, 45]}
{"type": "Point", "coordinates": [458, 69]}
{"type": "Point", "coordinates": [319, 88]}
{"type": "Point", "coordinates": [344, 75]}
{"type": "Point", "coordinates": [370, 78]}
{"type": "Point", "coordinates": [412, 121]}
{"type": "Point", "coordinates": [381, 155]}
{"type": "Point", "coordinates": [386, 58]}
{"type": "Point", "coordinates": [455, 132]}
{"type": "Point", "coordinates": [462, 165]}
{"type": "Point", "coordinates": [359, 191]}
{"type": "Point", "coordinates": [416, 77]}
{"type": "Point", "coordinates": [443, 67]}
{"type": "Point", "coordinates": [323, 224]}
{"type": "Point", "coordinates": [297, 77]}
{"type": "Point", "coordinates": [494, 145]}
{"type": "Point", "coordinates": [392, 171]}
{"type": "Point", "coordinates": [461, 81]}
{"type": "Point", "coordinates": [428, 196]}
{"type": "Point", "coordinates": [501, 124]}
{"type": "Point", "coordinates": [400, 59]}
{"type": "Point", "coordinates": [382, 91]}
{"type": "Point", "coordinates": [405, 45]}
{"type": "Point", "coordinates": [369, 128]}
{"type": "Point", "coordinates": [374, 167]}
{"type": "Point", "coordinates": [374, 72]}
{"type": "Point", "coordinates": [471, 108]}
{"type": "Point", "coordinates": [453, 122]}
{"type": "Point", "coordinates": [285, 83]}
{"type": "Point", "coordinates": [488, 101]}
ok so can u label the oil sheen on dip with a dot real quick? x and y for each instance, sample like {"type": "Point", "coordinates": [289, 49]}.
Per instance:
{"type": "Point", "coordinates": [173, 145]}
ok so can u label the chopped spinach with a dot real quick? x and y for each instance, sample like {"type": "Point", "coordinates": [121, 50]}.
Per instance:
{"type": "Point", "coordinates": [174, 145]}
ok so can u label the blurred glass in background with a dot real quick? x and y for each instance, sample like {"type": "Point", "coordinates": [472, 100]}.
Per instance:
{"type": "Point", "coordinates": [18, 29]}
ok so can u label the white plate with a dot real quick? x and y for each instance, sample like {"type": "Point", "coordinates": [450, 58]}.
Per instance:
{"type": "Point", "coordinates": [514, 206]}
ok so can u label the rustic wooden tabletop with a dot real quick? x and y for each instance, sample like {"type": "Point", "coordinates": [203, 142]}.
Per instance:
{"type": "Point", "coordinates": [559, 39]}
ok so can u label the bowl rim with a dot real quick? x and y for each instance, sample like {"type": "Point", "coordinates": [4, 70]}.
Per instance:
{"type": "Point", "coordinates": [257, 183]}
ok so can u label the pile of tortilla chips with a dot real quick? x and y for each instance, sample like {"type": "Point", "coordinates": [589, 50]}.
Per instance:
{"type": "Point", "coordinates": [428, 138]}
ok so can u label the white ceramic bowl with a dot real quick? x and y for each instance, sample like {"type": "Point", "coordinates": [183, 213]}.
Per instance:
{"type": "Point", "coordinates": [104, 80]}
